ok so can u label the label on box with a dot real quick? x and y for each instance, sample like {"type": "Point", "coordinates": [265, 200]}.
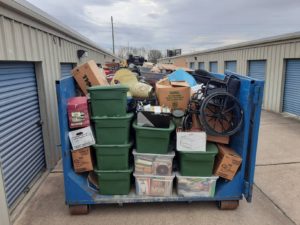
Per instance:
{"type": "Point", "coordinates": [158, 187]}
{"type": "Point", "coordinates": [77, 117]}
{"type": "Point", "coordinates": [157, 109]}
{"type": "Point", "coordinates": [191, 141]}
{"type": "Point", "coordinates": [81, 138]}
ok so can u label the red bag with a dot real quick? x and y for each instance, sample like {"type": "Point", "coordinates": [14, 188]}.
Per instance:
{"type": "Point", "coordinates": [78, 112]}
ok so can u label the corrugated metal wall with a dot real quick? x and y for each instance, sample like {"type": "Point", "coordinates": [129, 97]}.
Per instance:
{"type": "Point", "coordinates": [20, 42]}
{"type": "Point", "coordinates": [275, 54]}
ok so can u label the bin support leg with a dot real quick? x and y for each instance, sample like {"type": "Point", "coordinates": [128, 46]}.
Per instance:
{"type": "Point", "coordinates": [78, 209]}
{"type": "Point", "coordinates": [228, 205]}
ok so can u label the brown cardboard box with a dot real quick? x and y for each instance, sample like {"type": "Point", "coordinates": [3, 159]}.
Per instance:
{"type": "Point", "coordinates": [82, 160]}
{"type": "Point", "coordinates": [218, 139]}
{"type": "Point", "coordinates": [227, 162]}
{"type": "Point", "coordinates": [88, 75]}
{"type": "Point", "coordinates": [175, 95]}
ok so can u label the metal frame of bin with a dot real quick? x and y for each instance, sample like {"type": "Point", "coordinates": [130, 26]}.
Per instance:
{"type": "Point", "coordinates": [79, 195]}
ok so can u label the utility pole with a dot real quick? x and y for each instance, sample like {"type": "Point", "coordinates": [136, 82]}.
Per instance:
{"type": "Point", "coordinates": [112, 33]}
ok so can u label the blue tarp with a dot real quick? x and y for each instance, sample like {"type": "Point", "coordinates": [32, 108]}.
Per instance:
{"type": "Point", "coordinates": [181, 75]}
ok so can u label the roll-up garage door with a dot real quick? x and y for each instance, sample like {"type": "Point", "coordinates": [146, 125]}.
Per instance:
{"type": "Point", "coordinates": [192, 65]}
{"type": "Point", "coordinates": [22, 148]}
{"type": "Point", "coordinates": [213, 67]}
{"type": "Point", "coordinates": [230, 66]}
{"type": "Point", "coordinates": [201, 65]}
{"type": "Point", "coordinates": [257, 69]}
{"type": "Point", "coordinates": [291, 97]}
{"type": "Point", "coordinates": [65, 69]}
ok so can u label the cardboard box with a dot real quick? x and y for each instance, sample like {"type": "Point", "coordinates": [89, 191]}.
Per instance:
{"type": "Point", "coordinates": [227, 162]}
{"type": "Point", "coordinates": [87, 75]}
{"type": "Point", "coordinates": [78, 112]}
{"type": "Point", "coordinates": [81, 138]}
{"type": "Point", "coordinates": [191, 141]}
{"type": "Point", "coordinates": [218, 139]}
{"type": "Point", "coordinates": [175, 95]}
{"type": "Point", "coordinates": [82, 160]}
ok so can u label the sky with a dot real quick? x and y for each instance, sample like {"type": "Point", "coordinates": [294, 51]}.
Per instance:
{"type": "Point", "coordinates": [190, 25]}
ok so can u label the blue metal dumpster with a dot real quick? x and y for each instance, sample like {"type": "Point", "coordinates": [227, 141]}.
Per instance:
{"type": "Point", "coordinates": [79, 195]}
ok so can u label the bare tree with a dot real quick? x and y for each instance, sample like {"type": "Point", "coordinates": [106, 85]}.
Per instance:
{"type": "Point", "coordinates": [122, 52]}
{"type": "Point", "coordinates": [154, 55]}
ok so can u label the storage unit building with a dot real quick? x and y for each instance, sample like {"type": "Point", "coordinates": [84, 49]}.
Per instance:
{"type": "Point", "coordinates": [35, 51]}
{"type": "Point", "coordinates": [275, 59]}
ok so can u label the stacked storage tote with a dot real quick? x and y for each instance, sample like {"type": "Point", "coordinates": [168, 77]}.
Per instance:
{"type": "Point", "coordinates": [195, 176]}
{"type": "Point", "coordinates": [112, 129]}
{"type": "Point", "coordinates": [153, 161]}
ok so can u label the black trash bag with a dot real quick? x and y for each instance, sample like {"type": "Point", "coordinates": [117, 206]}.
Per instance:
{"type": "Point", "coordinates": [202, 76]}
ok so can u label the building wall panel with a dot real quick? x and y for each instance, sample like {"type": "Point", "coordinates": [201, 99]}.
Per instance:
{"type": "Point", "coordinates": [21, 42]}
{"type": "Point", "coordinates": [275, 53]}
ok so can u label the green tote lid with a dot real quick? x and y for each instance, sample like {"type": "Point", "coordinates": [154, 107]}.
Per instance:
{"type": "Point", "coordinates": [108, 88]}
{"type": "Point", "coordinates": [127, 116]}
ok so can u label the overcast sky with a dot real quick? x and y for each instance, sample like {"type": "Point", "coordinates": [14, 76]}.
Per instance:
{"type": "Point", "coordinates": [166, 24]}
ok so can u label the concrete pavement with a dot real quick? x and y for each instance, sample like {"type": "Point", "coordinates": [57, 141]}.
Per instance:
{"type": "Point", "coordinates": [276, 193]}
{"type": "Point", "coordinates": [279, 140]}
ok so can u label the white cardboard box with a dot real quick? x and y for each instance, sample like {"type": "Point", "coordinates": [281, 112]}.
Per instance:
{"type": "Point", "coordinates": [81, 138]}
{"type": "Point", "coordinates": [191, 141]}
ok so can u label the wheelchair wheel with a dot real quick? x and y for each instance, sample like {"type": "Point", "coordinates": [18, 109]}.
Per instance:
{"type": "Point", "coordinates": [187, 122]}
{"type": "Point", "coordinates": [221, 114]}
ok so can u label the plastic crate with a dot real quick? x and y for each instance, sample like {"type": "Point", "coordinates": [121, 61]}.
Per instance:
{"type": "Point", "coordinates": [112, 130]}
{"type": "Point", "coordinates": [198, 163]}
{"type": "Point", "coordinates": [153, 185]}
{"type": "Point", "coordinates": [196, 186]}
{"type": "Point", "coordinates": [108, 100]}
{"type": "Point", "coordinates": [153, 140]}
{"type": "Point", "coordinates": [112, 157]}
{"type": "Point", "coordinates": [114, 182]}
{"type": "Point", "coordinates": [153, 164]}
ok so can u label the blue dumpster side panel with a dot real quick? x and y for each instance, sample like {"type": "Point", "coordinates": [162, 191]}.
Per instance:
{"type": "Point", "coordinates": [245, 141]}
{"type": "Point", "coordinates": [253, 137]}
{"type": "Point", "coordinates": [75, 185]}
